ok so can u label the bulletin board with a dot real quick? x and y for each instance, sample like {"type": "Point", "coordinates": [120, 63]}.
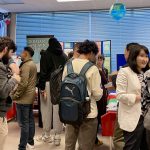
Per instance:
{"type": "Point", "coordinates": [68, 47]}
{"type": "Point", "coordinates": [120, 61]}
{"type": "Point", "coordinates": [106, 51]}
{"type": "Point", "coordinates": [38, 42]}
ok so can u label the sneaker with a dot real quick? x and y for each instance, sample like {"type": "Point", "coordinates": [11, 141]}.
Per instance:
{"type": "Point", "coordinates": [57, 140]}
{"type": "Point", "coordinates": [40, 138]}
{"type": "Point", "coordinates": [48, 139]}
{"type": "Point", "coordinates": [30, 146]}
{"type": "Point", "coordinates": [44, 138]}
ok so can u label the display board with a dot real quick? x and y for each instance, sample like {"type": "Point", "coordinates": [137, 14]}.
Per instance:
{"type": "Point", "coordinates": [68, 47]}
{"type": "Point", "coordinates": [106, 51]}
{"type": "Point", "coordinates": [38, 42]}
{"type": "Point", "coordinates": [120, 61]}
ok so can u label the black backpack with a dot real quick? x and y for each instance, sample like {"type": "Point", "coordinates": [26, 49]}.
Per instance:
{"type": "Point", "coordinates": [74, 101]}
{"type": "Point", "coordinates": [55, 84]}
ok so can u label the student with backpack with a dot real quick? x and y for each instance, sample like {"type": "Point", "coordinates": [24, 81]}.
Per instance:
{"type": "Point", "coordinates": [51, 60]}
{"type": "Point", "coordinates": [80, 89]}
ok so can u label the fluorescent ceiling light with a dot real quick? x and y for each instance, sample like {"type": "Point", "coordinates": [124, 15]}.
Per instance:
{"type": "Point", "coordinates": [72, 0]}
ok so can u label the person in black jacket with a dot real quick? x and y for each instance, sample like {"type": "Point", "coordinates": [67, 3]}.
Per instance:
{"type": "Point", "coordinates": [51, 59]}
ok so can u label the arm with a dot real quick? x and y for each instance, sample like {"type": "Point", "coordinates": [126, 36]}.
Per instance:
{"type": "Point", "coordinates": [43, 72]}
{"type": "Point", "coordinates": [6, 85]}
{"type": "Point", "coordinates": [64, 73]}
{"type": "Point", "coordinates": [121, 90]}
{"type": "Point", "coordinates": [14, 68]}
{"type": "Point", "coordinates": [103, 77]}
{"type": "Point", "coordinates": [25, 71]}
{"type": "Point", "coordinates": [96, 90]}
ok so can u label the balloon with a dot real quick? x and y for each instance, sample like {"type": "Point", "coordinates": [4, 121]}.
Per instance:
{"type": "Point", "coordinates": [118, 11]}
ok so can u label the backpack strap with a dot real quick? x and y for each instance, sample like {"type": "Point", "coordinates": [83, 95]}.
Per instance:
{"type": "Point", "coordinates": [69, 67]}
{"type": "Point", "coordinates": [86, 67]}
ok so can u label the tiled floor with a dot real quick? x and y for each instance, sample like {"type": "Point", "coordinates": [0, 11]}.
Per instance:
{"type": "Point", "coordinates": [13, 139]}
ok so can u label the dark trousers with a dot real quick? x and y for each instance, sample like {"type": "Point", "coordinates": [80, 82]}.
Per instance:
{"type": "Point", "coordinates": [26, 122]}
{"type": "Point", "coordinates": [136, 140]}
{"type": "Point", "coordinates": [118, 138]}
{"type": "Point", "coordinates": [148, 138]}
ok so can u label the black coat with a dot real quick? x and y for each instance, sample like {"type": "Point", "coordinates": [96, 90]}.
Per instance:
{"type": "Point", "coordinates": [51, 59]}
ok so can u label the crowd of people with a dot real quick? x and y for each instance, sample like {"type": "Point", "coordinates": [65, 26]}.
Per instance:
{"type": "Point", "coordinates": [131, 83]}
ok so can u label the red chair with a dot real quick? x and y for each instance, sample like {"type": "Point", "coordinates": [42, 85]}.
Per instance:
{"type": "Point", "coordinates": [108, 124]}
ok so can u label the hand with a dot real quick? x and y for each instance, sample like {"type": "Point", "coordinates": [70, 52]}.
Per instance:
{"type": "Point", "coordinates": [17, 77]}
{"type": "Point", "coordinates": [43, 93]}
{"type": "Point", "coordinates": [138, 98]}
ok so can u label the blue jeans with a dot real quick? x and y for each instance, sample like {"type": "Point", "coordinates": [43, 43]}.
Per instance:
{"type": "Point", "coordinates": [26, 122]}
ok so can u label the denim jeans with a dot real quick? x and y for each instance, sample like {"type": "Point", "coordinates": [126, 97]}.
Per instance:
{"type": "Point", "coordinates": [26, 122]}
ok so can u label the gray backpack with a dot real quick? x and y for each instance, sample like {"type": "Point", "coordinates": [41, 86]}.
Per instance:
{"type": "Point", "coordinates": [74, 103]}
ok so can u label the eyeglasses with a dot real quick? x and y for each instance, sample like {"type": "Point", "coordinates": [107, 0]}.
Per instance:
{"type": "Point", "coordinates": [100, 58]}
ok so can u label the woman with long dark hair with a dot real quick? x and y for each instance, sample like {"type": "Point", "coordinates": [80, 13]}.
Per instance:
{"type": "Point", "coordinates": [128, 90]}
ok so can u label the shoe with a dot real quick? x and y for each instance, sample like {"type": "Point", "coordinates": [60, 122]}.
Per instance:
{"type": "Point", "coordinates": [57, 140]}
{"type": "Point", "coordinates": [30, 147]}
{"type": "Point", "coordinates": [48, 139]}
{"type": "Point", "coordinates": [99, 143]}
{"type": "Point", "coordinates": [44, 138]}
{"type": "Point", "coordinates": [40, 138]}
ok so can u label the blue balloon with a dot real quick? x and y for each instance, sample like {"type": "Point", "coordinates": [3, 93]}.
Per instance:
{"type": "Point", "coordinates": [118, 11]}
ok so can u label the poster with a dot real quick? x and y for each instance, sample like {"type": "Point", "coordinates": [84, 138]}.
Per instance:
{"type": "Point", "coordinates": [68, 47]}
{"type": "Point", "coordinates": [38, 43]}
{"type": "Point", "coordinates": [106, 51]}
{"type": "Point", "coordinates": [107, 64]}
{"type": "Point", "coordinates": [107, 48]}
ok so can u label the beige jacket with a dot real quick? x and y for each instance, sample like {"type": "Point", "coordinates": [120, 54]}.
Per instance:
{"type": "Point", "coordinates": [128, 87]}
{"type": "Point", "coordinates": [25, 93]}
{"type": "Point", "coordinates": [93, 83]}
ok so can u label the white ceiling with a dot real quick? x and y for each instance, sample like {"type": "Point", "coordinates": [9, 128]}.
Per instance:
{"type": "Point", "coordinates": [53, 5]}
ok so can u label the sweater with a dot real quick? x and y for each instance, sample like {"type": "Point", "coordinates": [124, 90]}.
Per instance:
{"type": "Point", "coordinates": [7, 84]}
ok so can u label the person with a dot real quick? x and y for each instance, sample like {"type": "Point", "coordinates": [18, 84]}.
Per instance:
{"type": "Point", "coordinates": [24, 97]}
{"type": "Point", "coordinates": [7, 84]}
{"type": "Point", "coordinates": [53, 56]}
{"type": "Point", "coordinates": [146, 101]}
{"type": "Point", "coordinates": [37, 85]}
{"type": "Point", "coordinates": [75, 50]}
{"type": "Point", "coordinates": [128, 91]}
{"type": "Point", "coordinates": [118, 139]}
{"type": "Point", "coordinates": [70, 54]}
{"type": "Point", "coordinates": [102, 103]}
{"type": "Point", "coordinates": [86, 132]}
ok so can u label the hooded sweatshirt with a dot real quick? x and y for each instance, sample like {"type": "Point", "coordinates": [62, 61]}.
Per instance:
{"type": "Point", "coordinates": [51, 59]}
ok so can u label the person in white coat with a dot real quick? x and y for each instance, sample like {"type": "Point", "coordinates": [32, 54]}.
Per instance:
{"type": "Point", "coordinates": [128, 90]}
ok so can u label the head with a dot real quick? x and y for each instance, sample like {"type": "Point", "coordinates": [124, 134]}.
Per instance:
{"type": "Point", "coordinates": [100, 60]}
{"type": "Point", "coordinates": [70, 55]}
{"type": "Point", "coordinates": [7, 48]}
{"type": "Point", "coordinates": [89, 49]}
{"type": "Point", "coordinates": [42, 51]}
{"type": "Point", "coordinates": [138, 59]}
{"type": "Point", "coordinates": [75, 50]}
{"type": "Point", "coordinates": [27, 53]}
{"type": "Point", "coordinates": [55, 46]}
{"type": "Point", "coordinates": [128, 48]}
